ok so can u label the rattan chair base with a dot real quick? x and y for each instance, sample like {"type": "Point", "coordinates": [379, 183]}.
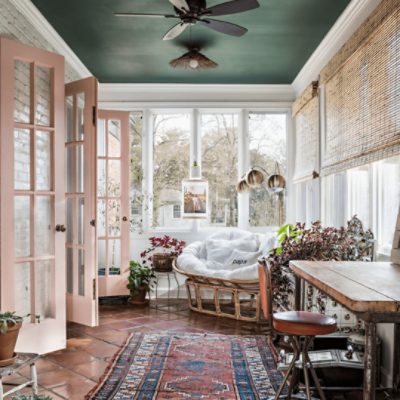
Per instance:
{"type": "Point", "coordinates": [244, 303]}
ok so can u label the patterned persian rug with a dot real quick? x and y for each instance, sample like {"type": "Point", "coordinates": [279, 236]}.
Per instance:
{"type": "Point", "coordinates": [190, 366]}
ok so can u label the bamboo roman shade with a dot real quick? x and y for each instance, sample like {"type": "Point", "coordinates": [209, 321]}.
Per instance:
{"type": "Point", "coordinates": [306, 117]}
{"type": "Point", "coordinates": [362, 94]}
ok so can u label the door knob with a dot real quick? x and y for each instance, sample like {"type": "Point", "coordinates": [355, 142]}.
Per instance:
{"type": "Point", "coordinates": [60, 228]}
{"type": "Point", "coordinates": [124, 219]}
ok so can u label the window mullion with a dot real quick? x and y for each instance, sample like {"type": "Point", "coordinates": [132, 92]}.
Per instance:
{"type": "Point", "coordinates": [147, 161]}
{"type": "Point", "coordinates": [243, 166]}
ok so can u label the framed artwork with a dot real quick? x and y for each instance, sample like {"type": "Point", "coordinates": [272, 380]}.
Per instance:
{"type": "Point", "coordinates": [195, 198]}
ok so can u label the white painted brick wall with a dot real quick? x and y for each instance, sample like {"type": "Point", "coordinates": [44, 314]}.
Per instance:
{"type": "Point", "coordinates": [14, 25]}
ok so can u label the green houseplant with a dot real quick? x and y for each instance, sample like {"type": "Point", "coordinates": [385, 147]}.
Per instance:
{"type": "Point", "coordinates": [10, 324]}
{"type": "Point", "coordinates": [34, 397]}
{"type": "Point", "coordinates": [139, 282]}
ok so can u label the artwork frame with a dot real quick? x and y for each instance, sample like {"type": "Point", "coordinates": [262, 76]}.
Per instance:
{"type": "Point", "coordinates": [194, 199]}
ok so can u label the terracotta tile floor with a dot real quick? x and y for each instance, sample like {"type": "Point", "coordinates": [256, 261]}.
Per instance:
{"type": "Point", "coordinates": [71, 373]}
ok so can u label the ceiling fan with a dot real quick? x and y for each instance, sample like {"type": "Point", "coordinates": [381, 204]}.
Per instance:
{"type": "Point", "coordinates": [191, 12]}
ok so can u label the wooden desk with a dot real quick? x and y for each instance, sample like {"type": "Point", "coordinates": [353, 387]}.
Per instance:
{"type": "Point", "coordinates": [370, 289]}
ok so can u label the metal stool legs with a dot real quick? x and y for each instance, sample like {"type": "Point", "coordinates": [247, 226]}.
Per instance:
{"type": "Point", "coordinates": [293, 371]}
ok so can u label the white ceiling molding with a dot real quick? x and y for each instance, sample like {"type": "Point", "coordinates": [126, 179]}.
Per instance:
{"type": "Point", "coordinates": [352, 17]}
{"type": "Point", "coordinates": [182, 93]}
{"type": "Point", "coordinates": [271, 106]}
{"type": "Point", "coordinates": [40, 23]}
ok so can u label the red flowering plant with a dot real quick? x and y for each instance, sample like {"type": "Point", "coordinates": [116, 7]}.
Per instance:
{"type": "Point", "coordinates": [167, 245]}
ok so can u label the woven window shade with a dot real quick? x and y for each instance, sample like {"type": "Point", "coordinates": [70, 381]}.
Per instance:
{"type": "Point", "coordinates": [306, 117]}
{"type": "Point", "coordinates": [363, 96]}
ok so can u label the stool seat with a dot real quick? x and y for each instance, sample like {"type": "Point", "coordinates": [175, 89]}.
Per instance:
{"type": "Point", "coordinates": [303, 323]}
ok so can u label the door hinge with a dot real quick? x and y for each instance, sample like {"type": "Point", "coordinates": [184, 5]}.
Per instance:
{"type": "Point", "coordinates": [93, 222]}
{"type": "Point", "coordinates": [94, 289]}
{"type": "Point", "coordinates": [94, 115]}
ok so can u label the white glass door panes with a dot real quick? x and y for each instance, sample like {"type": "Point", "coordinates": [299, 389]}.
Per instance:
{"type": "Point", "coordinates": [112, 201]}
{"type": "Point", "coordinates": [32, 194]}
{"type": "Point", "coordinates": [80, 157]}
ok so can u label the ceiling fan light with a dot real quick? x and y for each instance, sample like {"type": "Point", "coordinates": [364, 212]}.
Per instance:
{"type": "Point", "coordinates": [193, 63]}
{"type": "Point", "coordinates": [193, 60]}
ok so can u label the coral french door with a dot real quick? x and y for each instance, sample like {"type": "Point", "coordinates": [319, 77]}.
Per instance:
{"type": "Point", "coordinates": [81, 244]}
{"type": "Point", "coordinates": [32, 193]}
{"type": "Point", "coordinates": [113, 202]}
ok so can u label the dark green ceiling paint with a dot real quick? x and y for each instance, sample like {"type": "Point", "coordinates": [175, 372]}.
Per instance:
{"type": "Point", "coordinates": [282, 36]}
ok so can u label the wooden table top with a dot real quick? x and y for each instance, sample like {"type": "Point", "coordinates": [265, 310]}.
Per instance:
{"type": "Point", "coordinates": [362, 287]}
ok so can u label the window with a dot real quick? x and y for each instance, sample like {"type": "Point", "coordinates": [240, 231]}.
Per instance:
{"type": "Point", "coordinates": [267, 145]}
{"type": "Point", "coordinates": [170, 166]}
{"type": "Point", "coordinates": [219, 160]}
{"type": "Point", "coordinates": [173, 140]}
{"type": "Point", "coordinates": [388, 199]}
{"type": "Point", "coordinates": [372, 192]}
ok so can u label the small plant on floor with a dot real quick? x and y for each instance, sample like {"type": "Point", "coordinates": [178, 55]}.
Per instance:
{"type": "Point", "coordinates": [140, 282]}
{"type": "Point", "coordinates": [161, 252]}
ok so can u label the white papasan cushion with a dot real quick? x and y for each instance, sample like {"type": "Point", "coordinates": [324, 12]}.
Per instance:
{"type": "Point", "coordinates": [229, 254]}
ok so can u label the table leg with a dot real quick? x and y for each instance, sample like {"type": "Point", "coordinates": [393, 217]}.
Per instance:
{"type": "Point", "coordinates": [396, 359]}
{"type": "Point", "coordinates": [297, 293]}
{"type": "Point", "coordinates": [34, 379]}
{"type": "Point", "coordinates": [370, 361]}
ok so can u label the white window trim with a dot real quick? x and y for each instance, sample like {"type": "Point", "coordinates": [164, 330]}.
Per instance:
{"type": "Point", "coordinates": [195, 155]}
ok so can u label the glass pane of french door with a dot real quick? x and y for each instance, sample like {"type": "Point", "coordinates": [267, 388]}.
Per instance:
{"type": "Point", "coordinates": [32, 251]}
{"type": "Point", "coordinates": [80, 160]}
{"type": "Point", "coordinates": [112, 202]}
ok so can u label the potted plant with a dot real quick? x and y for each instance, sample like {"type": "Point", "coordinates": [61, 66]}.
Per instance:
{"type": "Point", "coordinates": [296, 242]}
{"type": "Point", "coordinates": [10, 324]}
{"type": "Point", "coordinates": [161, 252]}
{"type": "Point", "coordinates": [139, 282]}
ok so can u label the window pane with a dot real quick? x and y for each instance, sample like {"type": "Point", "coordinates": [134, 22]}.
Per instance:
{"type": "Point", "coordinates": [22, 282]}
{"type": "Point", "coordinates": [136, 171]}
{"type": "Point", "coordinates": [101, 254]}
{"type": "Point", "coordinates": [114, 138]}
{"type": "Point", "coordinates": [171, 166]}
{"type": "Point", "coordinates": [43, 100]}
{"type": "Point", "coordinates": [219, 141]}
{"type": "Point", "coordinates": [267, 145]}
{"type": "Point", "coordinates": [358, 194]}
{"type": "Point", "coordinates": [114, 256]}
{"type": "Point", "coordinates": [43, 226]}
{"type": "Point", "coordinates": [43, 160]}
{"type": "Point", "coordinates": [22, 97]}
{"type": "Point", "coordinates": [44, 288]}
{"type": "Point", "coordinates": [22, 226]}
{"type": "Point", "coordinates": [22, 159]}
{"type": "Point", "coordinates": [114, 178]}
{"type": "Point", "coordinates": [388, 201]}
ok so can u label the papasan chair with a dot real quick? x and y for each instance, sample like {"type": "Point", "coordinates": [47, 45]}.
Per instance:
{"type": "Point", "coordinates": [222, 274]}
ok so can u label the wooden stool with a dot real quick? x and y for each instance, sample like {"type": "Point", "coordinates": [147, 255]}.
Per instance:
{"type": "Point", "coordinates": [295, 325]}
{"type": "Point", "coordinates": [23, 359]}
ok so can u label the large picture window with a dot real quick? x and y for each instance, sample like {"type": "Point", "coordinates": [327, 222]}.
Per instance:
{"type": "Point", "coordinates": [219, 158]}
{"type": "Point", "coordinates": [164, 147]}
{"type": "Point", "coordinates": [170, 166]}
{"type": "Point", "coordinates": [267, 145]}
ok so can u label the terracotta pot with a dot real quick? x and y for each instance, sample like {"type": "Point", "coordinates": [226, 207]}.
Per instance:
{"type": "Point", "coordinates": [139, 297]}
{"type": "Point", "coordinates": [8, 341]}
{"type": "Point", "coordinates": [162, 262]}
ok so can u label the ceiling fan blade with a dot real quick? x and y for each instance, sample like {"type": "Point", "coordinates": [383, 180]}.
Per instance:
{"type": "Point", "coordinates": [117, 14]}
{"type": "Point", "coordinates": [224, 27]}
{"type": "Point", "coordinates": [231, 7]}
{"type": "Point", "coordinates": [175, 31]}
{"type": "Point", "coordinates": [180, 4]}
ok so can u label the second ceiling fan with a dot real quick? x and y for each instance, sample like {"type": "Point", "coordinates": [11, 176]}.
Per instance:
{"type": "Point", "coordinates": [191, 12]}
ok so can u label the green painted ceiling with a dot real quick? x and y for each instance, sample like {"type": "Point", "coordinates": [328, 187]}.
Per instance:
{"type": "Point", "coordinates": [282, 35]}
